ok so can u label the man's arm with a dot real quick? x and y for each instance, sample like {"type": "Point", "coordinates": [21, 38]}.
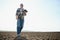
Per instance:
{"type": "Point", "coordinates": [17, 14]}
{"type": "Point", "coordinates": [16, 17]}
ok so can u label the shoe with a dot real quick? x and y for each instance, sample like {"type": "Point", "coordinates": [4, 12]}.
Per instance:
{"type": "Point", "coordinates": [18, 35]}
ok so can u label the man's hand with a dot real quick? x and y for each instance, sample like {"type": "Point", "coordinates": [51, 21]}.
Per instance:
{"type": "Point", "coordinates": [16, 17]}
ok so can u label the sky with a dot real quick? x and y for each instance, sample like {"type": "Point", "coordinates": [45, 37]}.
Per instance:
{"type": "Point", "coordinates": [42, 16]}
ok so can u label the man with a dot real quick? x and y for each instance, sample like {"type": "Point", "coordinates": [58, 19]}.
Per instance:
{"type": "Point", "coordinates": [20, 13]}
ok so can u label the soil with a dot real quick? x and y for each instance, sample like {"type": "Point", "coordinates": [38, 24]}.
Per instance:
{"type": "Point", "coordinates": [30, 36]}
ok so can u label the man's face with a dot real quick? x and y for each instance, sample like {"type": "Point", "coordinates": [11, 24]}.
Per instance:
{"type": "Point", "coordinates": [21, 5]}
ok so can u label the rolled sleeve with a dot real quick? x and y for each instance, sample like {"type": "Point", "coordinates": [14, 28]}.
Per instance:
{"type": "Point", "coordinates": [17, 11]}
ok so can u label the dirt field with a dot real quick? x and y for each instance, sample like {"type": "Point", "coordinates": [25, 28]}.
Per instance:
{"type": "Point", "coordinates": [30, 36]}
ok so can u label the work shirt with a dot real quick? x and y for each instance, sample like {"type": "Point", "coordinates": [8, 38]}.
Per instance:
{"type": "Point", "coordinates": [20, 13]}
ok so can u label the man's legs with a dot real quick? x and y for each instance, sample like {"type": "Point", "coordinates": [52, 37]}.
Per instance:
{"type": "Point", "coordinates": [18, 26]}
{"type": "Point", "coordinates": [20, 23]}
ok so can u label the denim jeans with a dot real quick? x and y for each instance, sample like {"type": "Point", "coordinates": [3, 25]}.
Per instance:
{"type": "Point", "coordinates": [20, 23]}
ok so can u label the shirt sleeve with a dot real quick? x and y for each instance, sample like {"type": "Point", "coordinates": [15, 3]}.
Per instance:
{"type": "Point", "coordinates": [17, 11]}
